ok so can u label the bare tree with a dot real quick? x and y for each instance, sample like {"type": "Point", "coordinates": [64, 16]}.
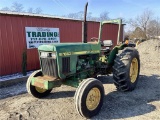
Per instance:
{"type": "Point", "coordinates": [142, 20]}
{"type": "Point", "coordinates": [38, 10]}
{"type": "Point", "coordinates": [138, 33]}
{"type": "Point", "coordinates": [124, 21]}
{"type": "Point", "coordinates": [92, 18]}
{"type": "Point", "coordinates": [17, 7]}
{"type": "Point", "coordinates": [154, 28]}
{"type": "Point", "coordinates": [104, 16]}
{"type": "Point", "coordinates": [89, 16]}
{"type": "Point", "coordinates": [30, 10]}
{"type": "Point", "coordinates": [73, 15]}
{"type": "Point", "coordinates": [80, 15]}
{"type": "Point", "coordinates": [6, 9]}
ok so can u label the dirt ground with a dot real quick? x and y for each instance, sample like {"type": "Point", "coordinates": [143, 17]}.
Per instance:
{"type": "Point", "coordinates": [141, 104]}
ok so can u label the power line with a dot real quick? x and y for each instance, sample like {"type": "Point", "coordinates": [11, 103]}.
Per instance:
{"type": "Point", "coordinates": [62, 6]}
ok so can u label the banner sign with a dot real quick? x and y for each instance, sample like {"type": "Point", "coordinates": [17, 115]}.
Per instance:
{"type": "Point", "coordinates": [36, 36]}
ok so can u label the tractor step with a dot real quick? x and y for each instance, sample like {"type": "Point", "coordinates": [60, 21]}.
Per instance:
{"type": "Point", "coordinates": [46, 82]}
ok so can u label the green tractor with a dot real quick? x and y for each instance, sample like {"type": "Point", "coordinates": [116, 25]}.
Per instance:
{"type": "Point", "coordinates": [79, 64]}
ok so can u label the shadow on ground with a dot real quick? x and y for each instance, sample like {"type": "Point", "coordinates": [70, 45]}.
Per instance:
{"type": "Point", "coordinates": [129, 104]}
{"type": "Point", "coordinates": [16, 89]}
{"type": "Point", "coordinates": [60, 94]}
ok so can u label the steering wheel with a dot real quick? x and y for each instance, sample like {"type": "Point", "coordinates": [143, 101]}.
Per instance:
{"type": "Point", "coordinates": [94, 39]}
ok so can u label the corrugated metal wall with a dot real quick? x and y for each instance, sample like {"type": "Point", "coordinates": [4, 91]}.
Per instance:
{"type": "Point", "coordinates": [109, 31]}
{"type": "Point", "coordinates": [13, 39]}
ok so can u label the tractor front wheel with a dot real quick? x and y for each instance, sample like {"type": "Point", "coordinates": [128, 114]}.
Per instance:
{"type": "Point", "coordinates": [126, 69]}
{"type": "Point", "coordinates": [36, 91]}
{"type": "Point", "coordinates": [89, 97]}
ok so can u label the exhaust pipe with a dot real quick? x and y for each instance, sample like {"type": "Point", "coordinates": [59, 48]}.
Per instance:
{"type": "Point", "coordinates": [84, 26]}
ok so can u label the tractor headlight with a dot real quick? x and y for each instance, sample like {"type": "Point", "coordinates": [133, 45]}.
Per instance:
{"type": "Point", "coordinates": [43, 54]}
{"type": "Point", "coordinates": [53, 55]}
{"type": "Point", "coordinates": [47, 55]}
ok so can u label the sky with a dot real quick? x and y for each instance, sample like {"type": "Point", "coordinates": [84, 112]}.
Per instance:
{"type": "Point", "coordinates": [117, 8]}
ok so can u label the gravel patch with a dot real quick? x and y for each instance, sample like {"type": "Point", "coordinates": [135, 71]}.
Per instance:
{"type": "Point", "coordinates": [150, 54]}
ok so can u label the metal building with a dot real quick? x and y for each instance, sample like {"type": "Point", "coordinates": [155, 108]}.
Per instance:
{"type": "Point", "coordinates": [13, 37]}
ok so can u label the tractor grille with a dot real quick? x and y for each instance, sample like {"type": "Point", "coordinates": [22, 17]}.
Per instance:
{"type": "Point", "coordinates": [66, 65]}
{"type": "Point", "coordinates": [49, 66]}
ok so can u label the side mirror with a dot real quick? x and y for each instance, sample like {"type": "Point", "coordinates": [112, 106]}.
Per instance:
{"type": "Point", "coordinates": [107, 43]}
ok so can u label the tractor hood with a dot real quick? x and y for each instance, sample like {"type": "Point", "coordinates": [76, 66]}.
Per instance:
{"type": "Point", "coordinates": [67, 55]}
{"type": "Point", "coordinates": [70, 47]}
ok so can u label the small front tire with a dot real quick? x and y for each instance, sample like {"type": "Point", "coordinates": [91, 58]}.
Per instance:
{"type": "Point", "coordinates": [36, 91]}
{"type": "Point", "coordinates": [89, 97]}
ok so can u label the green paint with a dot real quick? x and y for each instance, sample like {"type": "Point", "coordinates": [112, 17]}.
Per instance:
{"type": "Point", "coordinates": [71, 50]}
{"type": "Point", "coordinates": [112, 56]}
{"type": "Point", "coordinates": [46, 83]}
{"type": "Point", "coordinates": [113, 53]}
{"type": "Point", "coordinates": [72, 81]}
{"type": "Point", "coordinates": [71, 47]}
{"type": "Point", "coordinates": [77, 78]}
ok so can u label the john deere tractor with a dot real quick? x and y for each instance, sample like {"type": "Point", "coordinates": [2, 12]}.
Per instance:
{"type": "Point", "coordinates": [79, 64]}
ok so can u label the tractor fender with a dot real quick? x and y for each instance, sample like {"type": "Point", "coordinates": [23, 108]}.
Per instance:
{"type": "Point", "coordinates": [112, 54]}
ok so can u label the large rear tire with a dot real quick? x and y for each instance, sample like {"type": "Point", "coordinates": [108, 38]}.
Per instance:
{"type": "Point", "coordinates": [36, 91]}
{"type": "Point", "coordinates": [126, 69]}
{"type": "Point", "coordinates": [89, 97]}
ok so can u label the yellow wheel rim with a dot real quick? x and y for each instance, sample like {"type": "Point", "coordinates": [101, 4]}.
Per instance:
{"type": "Point", "coordinates": [40, 90]}
{"type": "Point", "coordinates": [134, 70]}
{"type": "Point", "coordinates": [93, 98]}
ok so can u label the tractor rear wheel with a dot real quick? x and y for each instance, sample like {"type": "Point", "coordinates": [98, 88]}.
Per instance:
{"type": "Point", "coordinates": [36, 91]}
{"type": "Point", "coordinates": [89, 97]}
{"type": "Point", "coordinates": [126, 69]}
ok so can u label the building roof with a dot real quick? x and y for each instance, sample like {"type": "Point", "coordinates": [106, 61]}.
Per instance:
{"type": "Point", "coordinates": [42, 15]}
{"type": "Point", "coordinates": [35, 15]}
